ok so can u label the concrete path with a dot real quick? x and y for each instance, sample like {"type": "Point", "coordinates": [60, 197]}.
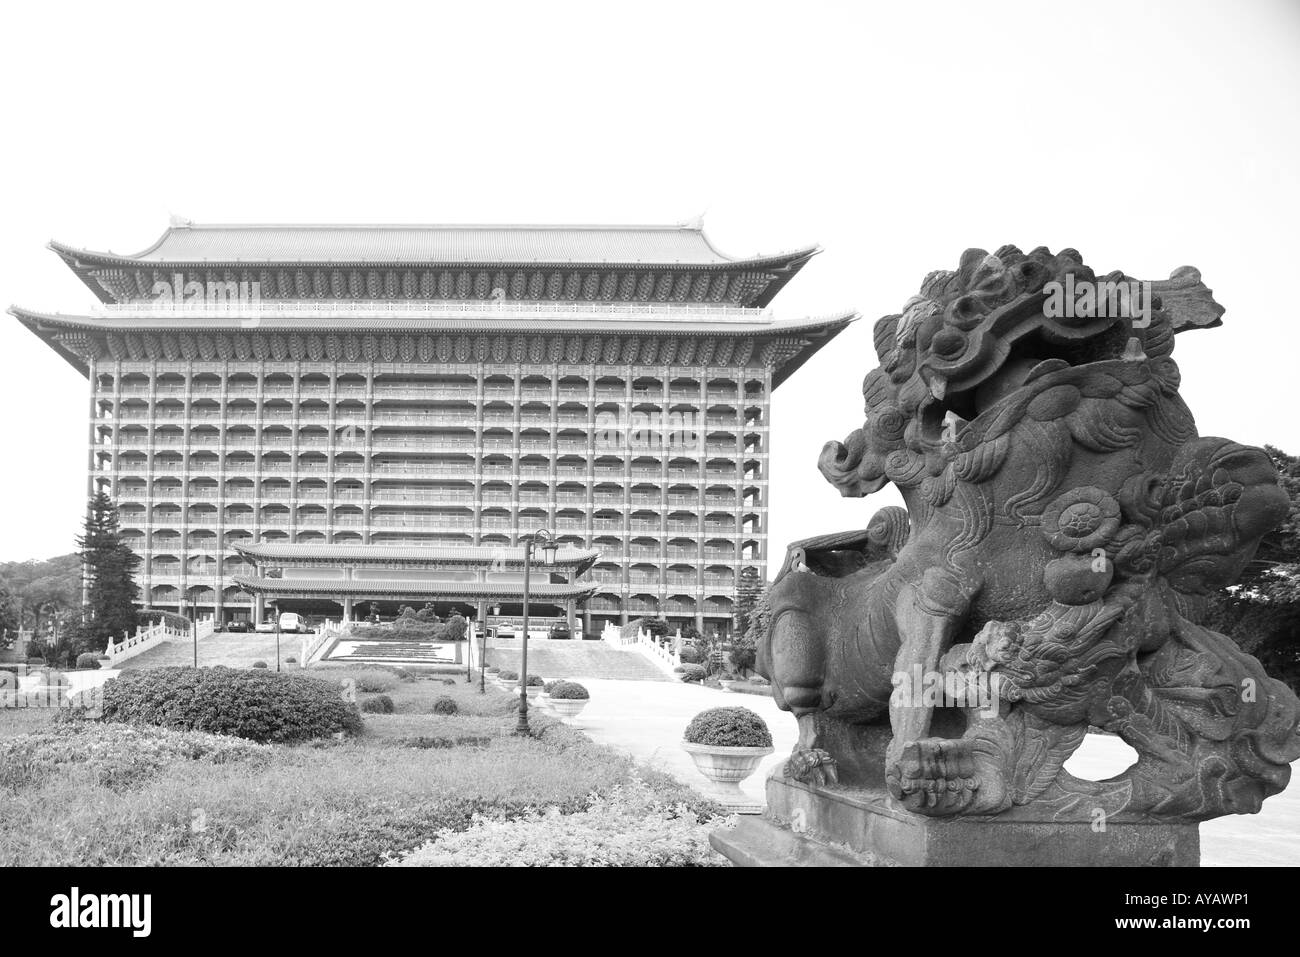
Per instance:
{"type": "Point", "coordinates": [646, 720]}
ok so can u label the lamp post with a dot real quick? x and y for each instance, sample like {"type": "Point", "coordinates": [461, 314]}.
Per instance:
{"type": "Point", "coordinates": [275, 613]}
{"type": "Point", "coordinates": [546, 541]}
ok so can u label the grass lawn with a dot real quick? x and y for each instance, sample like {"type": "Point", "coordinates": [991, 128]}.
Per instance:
{"type": "Point", "coordinates": [408, 776]}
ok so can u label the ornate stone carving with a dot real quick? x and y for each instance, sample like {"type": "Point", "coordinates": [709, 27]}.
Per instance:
{"type": "Point", "coordinates": [1064, 524]}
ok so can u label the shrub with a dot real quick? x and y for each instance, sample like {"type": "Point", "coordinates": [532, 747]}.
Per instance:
{"type": "Point", "coordinates": [169, 618]}
{"type": "Point", "coordinates": [114, 756]}
{"type": "Point", "coordinates": [690, 672]}
{"type": "Point", "coordinates": [536, 681]}
{"type": "Point", "coordinates": [492, 670]}
{"type": "Point", "coordinates": [568, 691]}
{"type": "Point", "coordinates": [374, 682]}
{"type": "Point", "coordinates": [690, 655]}
{"type": "Point", "coordinates": [379, 704]}
{"type": "Point", "coordinates": [629, 827]}
{"type": "Point", "coordinates": [291, 660]}
{"type": "Point", "coordinates": [259, 664]}
{"type": "Point", "coordinates": [550, 685]}
{"type": "Point", "coordinates": [449, 681]}
{"type": "Point", "coordinates": [729, 727]}
{"type": "Point", "coordinates": [445, 705]}
{"type": "Point", "coordinates": [743, 657]}
{"type": "Point", "coordinates": [508, 675]}
{"type": "Point", "coordinates": [258, 705]}
{"type": "Point", "coordinates": [456, 628]}
{"type": "Point", "coordinates": [87, 662]}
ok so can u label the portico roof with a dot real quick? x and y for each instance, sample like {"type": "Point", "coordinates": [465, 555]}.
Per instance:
{"type": "Point", "coordinates": [578, 558]}
{"type": "Point", "coordinates": [376, 588]}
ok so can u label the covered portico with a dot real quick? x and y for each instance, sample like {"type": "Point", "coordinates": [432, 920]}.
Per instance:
{"type": "Point", "coordinates": [356, 580]}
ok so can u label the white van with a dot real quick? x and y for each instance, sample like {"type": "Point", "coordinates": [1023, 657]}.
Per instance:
{"type": "Point", "coordinates": [290, 621]}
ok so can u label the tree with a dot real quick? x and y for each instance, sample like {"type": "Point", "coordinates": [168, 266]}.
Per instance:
{"type": "Point", "coordinates": [1262, 612]}
{"type": "Point", "coordinates": [747, 592]}
{"type": "Point", "coordinates": [111, 592]}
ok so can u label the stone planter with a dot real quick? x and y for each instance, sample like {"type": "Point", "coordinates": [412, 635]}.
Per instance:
{"type": "Point", "coordinates": [507, 685]}
{"type": "Point", "coordinates": [728, 684]}
{"type": "Point", "coordinates": [534, 691]}
{"type": "Point", "coordinates": [726, 767]}
{"type": "Point", "coordinates": [566, 708]}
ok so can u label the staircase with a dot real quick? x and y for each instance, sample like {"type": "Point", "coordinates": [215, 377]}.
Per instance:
{"type": "Point", "coordinates": [563, 658]}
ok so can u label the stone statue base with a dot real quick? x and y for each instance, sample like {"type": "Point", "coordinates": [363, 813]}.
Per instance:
{"type": "Point", "coordinates": [809, 826]}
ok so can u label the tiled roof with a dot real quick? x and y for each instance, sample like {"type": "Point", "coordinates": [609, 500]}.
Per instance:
{"type": "Point", "coordinates": [407, 553]}
{"type": "Point", "coordinates": [283, 321]}
{"type": "Point", "coordinates": [368, 588]}
{"type": "Point", "coordinates": [660, 245]}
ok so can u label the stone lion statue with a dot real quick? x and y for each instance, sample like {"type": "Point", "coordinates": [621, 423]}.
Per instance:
{"type": "Point", "coordinates": [1064, 524]}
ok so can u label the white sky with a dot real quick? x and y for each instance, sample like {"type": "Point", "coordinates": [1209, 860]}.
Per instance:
{"type": "Point", "coordinates": [1145, 135]}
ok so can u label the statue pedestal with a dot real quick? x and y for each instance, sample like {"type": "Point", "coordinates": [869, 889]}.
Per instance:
{"type": "Point", "coordinates": [820, 827]}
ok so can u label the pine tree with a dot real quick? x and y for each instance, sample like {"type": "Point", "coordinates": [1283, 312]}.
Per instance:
{"type": "Point", "coordinates": [110, 565]}
{"type": "Point", "coordinates": [747, 593]}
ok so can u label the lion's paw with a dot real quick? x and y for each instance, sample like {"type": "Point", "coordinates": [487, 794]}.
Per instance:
{"type": "Point", "coordinates": [934, 776]}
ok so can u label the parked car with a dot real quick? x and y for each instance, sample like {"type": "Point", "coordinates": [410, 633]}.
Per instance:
{"type": "Point", "coordinates": [264, 627]}
{"type": "Point", "coordinates": [291, 622]}
{"type": "Point", "coordinates": [561, 631]}
{"type": "Point", "coordinates": [239, 627]}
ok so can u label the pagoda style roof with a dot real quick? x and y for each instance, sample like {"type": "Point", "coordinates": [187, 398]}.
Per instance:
{"type": "Point", "coordinates": [443, 332]}
{"type": "Point", "coordinates": [566, 557]}
{"type": "Point", "coordinates": [372, 588]}
{"type": "Point", "coordinates": [684, 244]}
{"type": "Point", "coordinates": [438, 262]}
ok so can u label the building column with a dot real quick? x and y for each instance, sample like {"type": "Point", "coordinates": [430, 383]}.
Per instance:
{"type": "Point", "coordinates": [622, 616]}
{"type": "Point", "coordinates": [586, 623]}
{"type": "Point", "coordinates": [482, 613]}
{"type": "Point", "coordinates": [259, 608]}
{"type": "Point", "coordinates": [568, 613]}
{"type": "Point", "coordinates": [699, 620]}
{"type": "Point", "coordinates": [347, 608]}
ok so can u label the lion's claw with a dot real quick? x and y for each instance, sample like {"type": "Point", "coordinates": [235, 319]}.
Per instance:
{"type": "Point", "coordinates": [934, 776]}
{"type": "Point", "coordinates": [812, 766]}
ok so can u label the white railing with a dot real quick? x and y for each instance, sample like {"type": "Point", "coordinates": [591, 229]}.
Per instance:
{"type": "Point", "coordinates": [314, 646]}
{"type": "Point", "coordinates": [143, 640]}
{"type": "Point", "coordinates": [667, 657]}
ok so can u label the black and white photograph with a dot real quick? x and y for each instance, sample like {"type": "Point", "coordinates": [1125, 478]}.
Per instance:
{"type": "Point", "coordinates": [703, 436]}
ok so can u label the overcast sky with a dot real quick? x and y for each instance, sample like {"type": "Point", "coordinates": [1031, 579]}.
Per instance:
{"type": "Point", "coordinates": [1147, 136]}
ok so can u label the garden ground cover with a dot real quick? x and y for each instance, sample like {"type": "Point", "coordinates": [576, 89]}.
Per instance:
{"type": "Point", "coordinates": [410, 779]}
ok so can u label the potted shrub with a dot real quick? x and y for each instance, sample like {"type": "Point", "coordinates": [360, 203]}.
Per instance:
{"type": "Point", "coordinates": [568, 698]}
{"type": "Point", "coordinates": [727, 745]}
{"type": "Point", "coordinates": [508, 679]}
{"type": "Point", "coordinates": [535, 686]}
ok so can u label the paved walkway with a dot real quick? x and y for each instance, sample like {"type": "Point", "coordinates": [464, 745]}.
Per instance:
{"type": "Point", "coordinates": [646, 720]}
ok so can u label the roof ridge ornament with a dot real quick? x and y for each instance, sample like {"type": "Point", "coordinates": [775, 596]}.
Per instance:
{"type": "Point", "coordinates": [179, 222]}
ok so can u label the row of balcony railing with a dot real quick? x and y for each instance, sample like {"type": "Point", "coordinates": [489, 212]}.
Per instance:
{"type": "Point", "coordinates": [386, 416]}
{"type": "Point", "coordinates": [467, 499]}
{"type": "Point", "coordinates": [444, 393]}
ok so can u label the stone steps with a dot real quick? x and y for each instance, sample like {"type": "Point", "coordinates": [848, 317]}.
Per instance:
{"type": "Point", "coordinates": [575, 659]}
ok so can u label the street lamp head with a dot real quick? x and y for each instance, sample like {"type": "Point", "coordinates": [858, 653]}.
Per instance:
{"type": "Point", "coordinates": [549, 548]}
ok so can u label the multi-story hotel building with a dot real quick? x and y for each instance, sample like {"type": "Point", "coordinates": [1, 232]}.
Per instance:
{"type": "Point", "coordinates": [319, 395]}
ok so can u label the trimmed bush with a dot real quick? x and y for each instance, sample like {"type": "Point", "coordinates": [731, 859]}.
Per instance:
{"type": "Point", "coordinates": [536, 681]}
{"type": "Point", "coordinates": [508, 675]}
{"type": "Point", "coordinates": [262, 706]}
{"type": "Point", "coordinates": [690, 655]}
{"type": "Point", "coordinates": [551, 685]}
{"type": "Point", "coordinates": [690, 672]}
{"type": "Point", "coordinates": [375, 682]}
{"type": "Point", "coordinates": [291, 660]}
{"type": "Point", "coordinates": [445, 705]}
{"type": "Point", "coordinates": [87, 662]}
{"type": "Point", "coordinates": [730, 728]}
{"type": "Point", "coordinates": [492, 670]}
{"type": "Point", "coordinates": [260, 664]}
{"type": "Point", "coordinates": [379, 704]}
{"type": "Point", "coordinates": [449, 681]}
{"type": "Point", "coordinates": [568, 691]}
